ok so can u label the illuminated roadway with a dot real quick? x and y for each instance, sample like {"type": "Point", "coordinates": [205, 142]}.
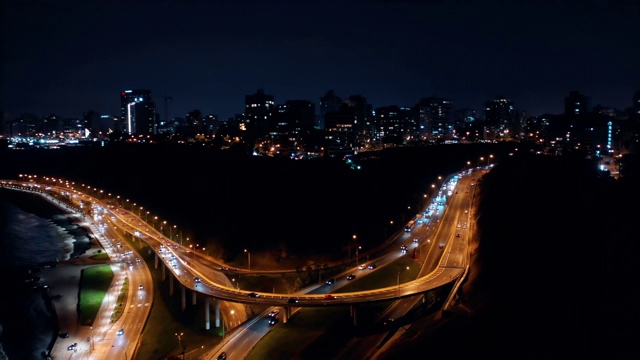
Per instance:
{"type": "Point", "coordinates": [451, 260]}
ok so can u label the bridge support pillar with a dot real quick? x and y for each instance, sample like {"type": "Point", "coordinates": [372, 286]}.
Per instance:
{"type": "Point", "coordinates": [164, 271]}
{"type": "Point", "coordinates": [193, 297]}
{"type": "Point", "coordinates": [207, 321]}
{"type": "Point", "coordinates": [216, 310]}
{"type": "Point", "coordinates": [156, 260]}
{"type": "Point", "coordinates": [354, 315]}
{"type": "Point", "coordinates": [285, 313]}
{"type": "Point", "coordinates": [170, 285]}
{"type": "Point", "coordinates": [183, 295]}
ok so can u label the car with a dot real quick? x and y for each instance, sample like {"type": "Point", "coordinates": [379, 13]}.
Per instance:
{"type": "Point", "coordinates": [274, 320]}
{"type": "Point", "coordinates": [224, 268]}
{"type": "Point", "coordinates": [64, 335]}
{"type": "Point", "coordinates": [292, 301]}
{"type": "Point", "coordinates": [253, 295]}
{"type": "Point", "coordinates": [441, 246]}
{"type": "Point", "coordinates": [329, 297]}
{"type": "Point", "coordinates": [120, 332]}
{"type": "Point", "coordinates": [372, 266]}
{"type": "Point", "coordinates": [196, 279]}
{"type": "Point", "coordinates": [274, 313]}
{"type": "Point", "coordinates": [403, 249]}
{"type": "Point", "coordinates": [331, 281]}
{"type": "Point", "coordinates": [388, 322]}
{"type": "Point", "coordinates": [351, 276]}
{"type": "Point", "coordinates": [137, 259]}
{"type": "Point", "coordinates": [457, 235]}
{"type": "Point", "coordinates": [72, 346]}
{"type": "Point", "coordinates": [362, 267]}
{"type": "Point", "coordinates": [222, 356]}
{"type": "Point", "coordinates": [140, 287]}
{"type": "Point", "coordinates": [415, 240]}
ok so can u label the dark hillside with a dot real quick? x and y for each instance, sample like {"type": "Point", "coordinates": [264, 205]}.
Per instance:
{"type": "Point", "coordinates": [555, 275]}
{"type": "Point", "coordinates": [303, 207]}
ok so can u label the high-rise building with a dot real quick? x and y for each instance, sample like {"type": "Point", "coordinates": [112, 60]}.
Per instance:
{"type": "Point", "coordinates": [211, 124]}
{"type": "Point", "coordinates": [575, 104]}
{"type": "Point", "coordinates": [138, 112]}
{"type": "Point", "coordinates": [435, 118]}
{"type": "Point", "coordinates": [340, 137]}
{"type": "Point", "coordinates": [328, 103]}
{"type": "Point", "coordinates": [499, 119]}
{"type": "Point", "coordinates": [258, 114]}
{"type": "Point", "coordinates": [363, 124]}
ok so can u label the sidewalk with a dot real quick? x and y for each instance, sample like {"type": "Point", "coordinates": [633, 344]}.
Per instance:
{"type": "Point", "coordinates": [64, 280]}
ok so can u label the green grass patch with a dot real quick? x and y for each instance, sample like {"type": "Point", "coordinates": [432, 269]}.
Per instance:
{"type": "Point", "coordinates": [385, 276]}
{"type": "Point", "coordinates": [166, 319]}
{"type": "Point", "coordinates": [305, 335]}
{"type": "Point", "coordinates": [121, 302]}
{"type": "Point", "coordinates": [99, 255]}
{"type": "Point", "coordinates": [319, 333]}
{"type": "Point", "coordinates": [94, 283]}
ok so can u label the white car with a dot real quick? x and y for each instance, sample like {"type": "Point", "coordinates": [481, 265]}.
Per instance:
{"type": "Point", "coordinates": [361, 267]}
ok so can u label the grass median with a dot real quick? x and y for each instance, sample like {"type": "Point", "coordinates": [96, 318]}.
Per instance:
{"type": "Point", "coordinates": [320, 333]}
{"type": "Point", "coordinates": [94, 283]}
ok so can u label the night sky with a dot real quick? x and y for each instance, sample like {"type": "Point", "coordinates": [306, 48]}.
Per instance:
{"type": "Point", "coordinates": [65, 58]}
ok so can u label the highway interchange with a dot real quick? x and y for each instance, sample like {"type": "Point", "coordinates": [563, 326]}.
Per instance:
{"type": "Point", "coordinates": [441, 245]}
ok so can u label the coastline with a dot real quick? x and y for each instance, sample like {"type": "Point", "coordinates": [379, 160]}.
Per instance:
{"type": "Point", "coordinates": [54, 309]}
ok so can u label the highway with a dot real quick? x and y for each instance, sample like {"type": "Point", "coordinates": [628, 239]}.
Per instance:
{"type": "Point", "coordinates": [443, 242]}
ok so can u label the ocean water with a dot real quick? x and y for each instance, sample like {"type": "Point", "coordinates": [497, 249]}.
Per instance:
{"type": "Point", "coordinates": [33, 233]}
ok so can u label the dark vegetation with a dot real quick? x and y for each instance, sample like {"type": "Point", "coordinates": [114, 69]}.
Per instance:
{"type": "Point", "coordinates": [299, 208]}
{"type": "Point", "coordinates": [555, 274]}
{"type": "Point", "coordinates": [556, 270]}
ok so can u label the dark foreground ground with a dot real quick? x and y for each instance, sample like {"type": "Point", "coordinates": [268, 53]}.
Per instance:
{"type": "Point", "coordinates": [554, 275]}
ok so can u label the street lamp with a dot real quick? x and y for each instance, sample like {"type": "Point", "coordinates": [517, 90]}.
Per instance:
{"type": "Point", "coordinates": [385, 229]}
{"type": "Point", "coordinates": [398, 291]}
{"type": "Point", "coordinates": [249, 258]}
{"type": "Point", "coordinates": [179, 336]}
{"type": "Point", "coordinates": [354, 237]}
{"type": "Point", "coordinates": [358, 248]}
{"type": "Point", "coordinates": [91, 345]}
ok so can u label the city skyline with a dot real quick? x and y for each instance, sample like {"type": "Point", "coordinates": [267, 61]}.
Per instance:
{"type": "Point", "coordinates": [70, 58]}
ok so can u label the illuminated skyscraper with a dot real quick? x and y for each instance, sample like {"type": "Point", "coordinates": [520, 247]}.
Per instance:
{"type": "Point", "coordinates": [138, 112]}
